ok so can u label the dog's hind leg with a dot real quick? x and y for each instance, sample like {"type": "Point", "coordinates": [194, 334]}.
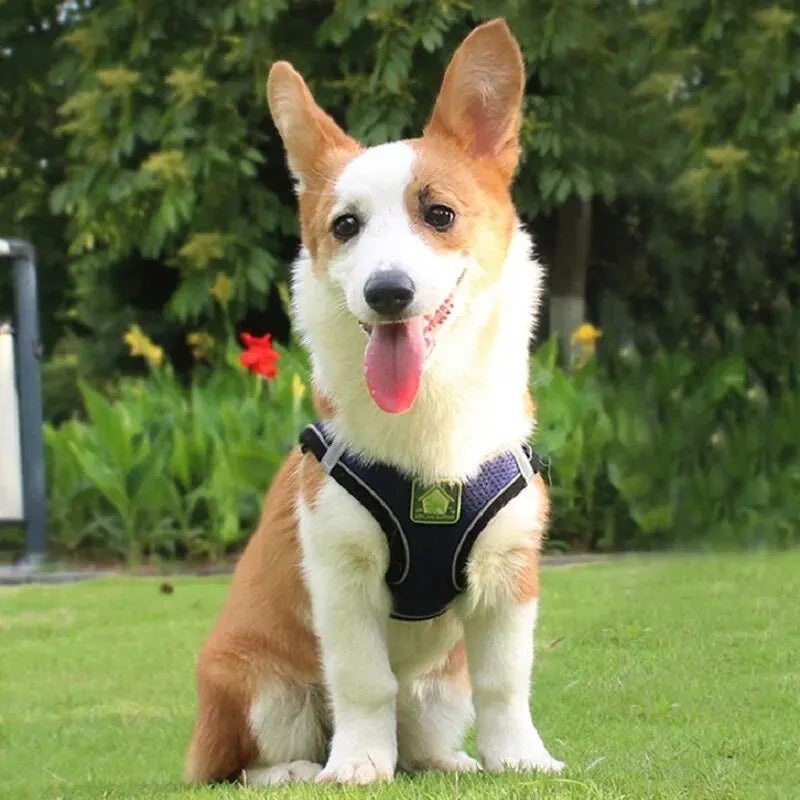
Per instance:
{"type": "Point", "coordinates": [292, 728]}
{"type": "Point", "coordinates": [433, 713]}
{"type": "Point", "coordinates": [223, 742]}
{"type": "Point", "coordinates": [273, 732]}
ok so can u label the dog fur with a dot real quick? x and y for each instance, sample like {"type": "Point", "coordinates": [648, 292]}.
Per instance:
{"type": "Point", "coordinates": [305, 675]}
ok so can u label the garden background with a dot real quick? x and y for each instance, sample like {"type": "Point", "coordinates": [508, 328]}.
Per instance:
{"type": "Point", "coordinates": [660, 175]}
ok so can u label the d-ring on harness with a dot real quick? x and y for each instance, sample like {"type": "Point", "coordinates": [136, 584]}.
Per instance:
{"type": "Point", "coordinates": [430, 529]}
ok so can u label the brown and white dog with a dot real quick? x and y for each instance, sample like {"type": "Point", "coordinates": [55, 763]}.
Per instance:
{"type": "Point", "coordinates": [305, 675]}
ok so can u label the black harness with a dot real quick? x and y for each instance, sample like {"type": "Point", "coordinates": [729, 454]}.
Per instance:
{"type": "Point", "coordinates": [430, 529]}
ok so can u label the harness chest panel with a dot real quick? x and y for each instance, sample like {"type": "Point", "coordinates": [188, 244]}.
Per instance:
{"type": "Point", "coordinates": [430, 529]}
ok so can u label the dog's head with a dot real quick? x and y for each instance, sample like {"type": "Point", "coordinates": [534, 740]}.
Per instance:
{"type": "Point", "coordinates": [404, 233]}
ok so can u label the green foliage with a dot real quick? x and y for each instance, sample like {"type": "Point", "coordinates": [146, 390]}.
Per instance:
{"type": "Point", "coordinates": [719, 249]}
{"type": "Point", "coordinates": [586, 132]}
{"type": "Point", "coordinates": [137, 154]}
{"type": "Point", "coordinates": [170, 173]}
{"type": "Point", "coordinates": [162, 469]}
{"type": "Point", "coordinates": [31, 158]}
{"type": "Point", "coordinates": [668, 451]}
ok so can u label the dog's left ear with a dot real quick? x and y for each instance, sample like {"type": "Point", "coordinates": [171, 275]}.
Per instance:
{"type": "Point", "coordinates": [309, 134]}
{"type": "Point", "coordinates": [479, 104]}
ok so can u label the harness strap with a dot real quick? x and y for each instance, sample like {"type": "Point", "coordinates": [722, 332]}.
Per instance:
{"type": "Point", "coordinates": [314, 441]}
{"type": "Point", "coordinates": [345, 471]}
{"type": "Point", "coordinates": [487, 513]}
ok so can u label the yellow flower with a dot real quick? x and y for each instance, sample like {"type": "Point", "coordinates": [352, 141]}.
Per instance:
{"type": "Point", "coordinates": [201, 343]}
{"type": "Point", "coordinates": [585, 334]}
{"type": "Point", "coordinates": [154, 356]}
{"type": "Point", "coordinates": [222, 288]}
{"type": "Point", "coordinates": [583, 341]}
{"type": "Point", "coordinates": [298, 388]}
{"type": "Point", "coordinates": [139, 344]}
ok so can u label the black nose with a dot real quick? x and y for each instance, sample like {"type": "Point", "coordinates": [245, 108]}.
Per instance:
{"type": "Point", "coordinates": [389, 291]}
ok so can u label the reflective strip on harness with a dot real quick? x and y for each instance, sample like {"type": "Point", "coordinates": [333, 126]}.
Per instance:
{"type": "Point", "coordinates": [427, 559]}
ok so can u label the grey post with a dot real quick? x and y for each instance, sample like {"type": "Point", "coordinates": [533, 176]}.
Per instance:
{"type": "Point", "coordinates": [28, 352]}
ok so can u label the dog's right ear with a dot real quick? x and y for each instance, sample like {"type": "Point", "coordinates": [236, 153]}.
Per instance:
{"type": "Point", "coordinates": [308, 133]}
{"type": "Point", "coordinates": [479, 104]}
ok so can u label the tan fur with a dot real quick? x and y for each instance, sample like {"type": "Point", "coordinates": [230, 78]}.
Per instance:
{"type": "Point", "coordinates": [466, 159]}
{"type": "Point", "coordinates": [530, 405]}
{"type": "Point", "coordinates": [483, 119]}
{"type": "Point", "coordinates": [315, 205]}
{"type": "Point", "coordinates": [455, 669]}
{"type": "Point", "coordinates": [475, 190]}
{"type": "Point", "coordinates": [312, 476]}
{"type": "Point", "coordinates": [260, 634]}
{"type": "Point", "coordinates": [323, 405]}
{"type": "Point", "coordinates": [527, 583]}
{"type": "Point", "coordinates": [317, 149]}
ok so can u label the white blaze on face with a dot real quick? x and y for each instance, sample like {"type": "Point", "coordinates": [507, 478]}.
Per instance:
{"type": "Point", "coordinates": [374, 188]}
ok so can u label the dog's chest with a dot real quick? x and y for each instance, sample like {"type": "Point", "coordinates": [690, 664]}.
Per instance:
{"type": "Point", "coordinates": [430, 529]}
{"type": "Point", "coordinates": [343, 544]}
{"type": "Point", "coordinates": [415, 648]}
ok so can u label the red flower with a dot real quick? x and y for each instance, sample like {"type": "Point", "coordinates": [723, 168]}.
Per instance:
{"type": "Point", "coordinates": [259, 357]}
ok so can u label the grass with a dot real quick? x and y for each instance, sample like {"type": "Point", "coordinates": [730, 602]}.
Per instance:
{"type": "Point", "coordinates": [665, 678]}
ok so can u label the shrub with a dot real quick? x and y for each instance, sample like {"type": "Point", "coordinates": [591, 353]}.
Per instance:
{"type": "Point", "coordinates": [641, 454]}
{"type": "Point", "coordinates": [163, 469]}
{"type": "Point", "coordinates": [668, 451]}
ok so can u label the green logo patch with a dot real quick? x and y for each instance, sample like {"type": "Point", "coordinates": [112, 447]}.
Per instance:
{"type": "Point", "coordinates": [436, 504]}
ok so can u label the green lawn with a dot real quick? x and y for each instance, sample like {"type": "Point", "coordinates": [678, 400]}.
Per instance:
{"type": "Point", "coordinates": [665, 678]}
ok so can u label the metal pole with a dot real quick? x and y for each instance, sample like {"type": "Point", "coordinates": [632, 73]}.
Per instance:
{"type": "Point", "coordinates": [28, 353]}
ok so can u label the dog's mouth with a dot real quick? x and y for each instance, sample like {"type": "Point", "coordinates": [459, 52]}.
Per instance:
{"type": "Point", "coordinates": [396, 354]}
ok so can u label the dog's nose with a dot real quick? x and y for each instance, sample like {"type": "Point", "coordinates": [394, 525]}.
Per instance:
{"type": "Point", "coordinates": [389, 291]}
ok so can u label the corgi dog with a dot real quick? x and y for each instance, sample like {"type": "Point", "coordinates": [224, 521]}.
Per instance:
{"type": "Point", "coordinates": [389, 595]}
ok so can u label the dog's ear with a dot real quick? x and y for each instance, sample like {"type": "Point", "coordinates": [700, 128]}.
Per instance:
{"type": "Point", "coordinates": [479, 104]}
{"type": "Point", "coordinates": [309, 134]}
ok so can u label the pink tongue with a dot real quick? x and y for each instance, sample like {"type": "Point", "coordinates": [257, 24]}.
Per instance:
{"type": "Point", "coordinates": [393, 363]}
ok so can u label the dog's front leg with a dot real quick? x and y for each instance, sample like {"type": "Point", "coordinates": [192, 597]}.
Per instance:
{"type": "Point", "coordinates": [351, 604]}
{"type": "Point", "coordinates": [500, 655]}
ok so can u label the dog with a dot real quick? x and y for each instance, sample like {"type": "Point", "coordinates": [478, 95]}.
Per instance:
{"type": "Point", "coordinates": [389, 594]}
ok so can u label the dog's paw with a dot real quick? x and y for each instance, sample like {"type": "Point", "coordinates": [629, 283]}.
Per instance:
{"type": "Point", "coordinates": [357, 771]}
{"type": "Point", "coordinates": [458, 761]}
{"type": "Point", "coordinates": [289, 772]}
{"type": "Point", "coordinates": [535, 761]}
{"type": "Point", "coordinates": [455, 762]}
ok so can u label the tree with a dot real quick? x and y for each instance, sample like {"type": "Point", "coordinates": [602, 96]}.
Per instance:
{"type": "Point", "coordinates": [147, 136]}
{"type": "Point", "coordinates": [31, 159]}
{"type": "Point", "coordinates": [589, 135]}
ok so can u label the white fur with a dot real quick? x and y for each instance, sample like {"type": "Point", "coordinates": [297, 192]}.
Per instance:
{"type": "Point", "coordinates": [499, 636]}
{"type": "Point", "coordinates": [387, 710]}
{"type": "Point", "coordinates": [500, 651]}
{"type": "Point", "coordinates": [496, 560]}
{"type": "Point", "coordinates": [289, 722]}
{"type": "Point", "coordinates": [432, 716]}
{"type": "Point", "coordinates": [415, 648]}
{"type": "Point", "coordinates": [372, 186]}
{"type": "Point", "coordinates": [468, 408]}
{"type": "Point", "coordinates": [345, 559]}
{"type": "Point", "coordinates": [281, 773]}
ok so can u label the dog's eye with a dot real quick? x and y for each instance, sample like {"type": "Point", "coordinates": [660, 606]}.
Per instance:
{"type": "Point", "coordinates": [440, 218]}
{"type": "Point", "coordinates": [345, 227]}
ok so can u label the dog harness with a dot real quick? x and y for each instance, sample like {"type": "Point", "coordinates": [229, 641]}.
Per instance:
{"type": "Point", "coordinates": [430, 528]}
